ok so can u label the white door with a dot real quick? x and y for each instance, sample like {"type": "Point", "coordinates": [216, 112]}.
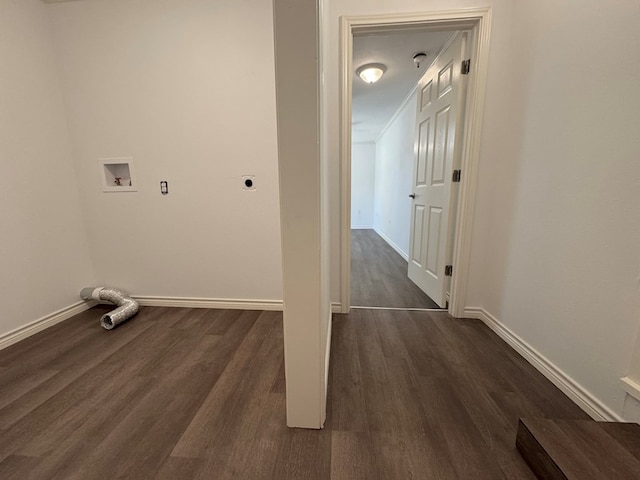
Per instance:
{"type": "Point", "coordinates": [438, 120]}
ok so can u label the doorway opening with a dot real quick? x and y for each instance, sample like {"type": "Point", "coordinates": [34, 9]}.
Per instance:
{"type": "Point", "coordinates": [453, 243]}
{"type": "Point", "coordinates": [387, 158]}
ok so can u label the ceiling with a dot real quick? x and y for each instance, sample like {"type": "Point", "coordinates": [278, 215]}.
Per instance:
{"type": "Point", "coordinates": [375, 104]}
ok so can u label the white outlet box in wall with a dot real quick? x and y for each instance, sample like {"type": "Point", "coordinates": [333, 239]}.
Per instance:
{"type": "Point", "coordinates": [118, 175]}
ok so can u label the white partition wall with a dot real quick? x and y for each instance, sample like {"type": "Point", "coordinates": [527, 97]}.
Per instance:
{"type": "Point", "coordinates": [306, 303]}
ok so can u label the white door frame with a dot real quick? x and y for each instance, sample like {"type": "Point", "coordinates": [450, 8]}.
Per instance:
{"type": "Point", "coordinates": [478, 21]}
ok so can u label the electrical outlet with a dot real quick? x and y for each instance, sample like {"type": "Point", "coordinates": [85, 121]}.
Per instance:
{"type": "Point", "coordinates": [248, 182]}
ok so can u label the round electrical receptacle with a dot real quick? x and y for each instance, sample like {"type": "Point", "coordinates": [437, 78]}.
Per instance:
{"type": "Point", "coordinates": [248, 182]}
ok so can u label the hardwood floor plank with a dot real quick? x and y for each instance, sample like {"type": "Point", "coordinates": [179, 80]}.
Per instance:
{"type": "Point", "coordinates": [73, 443]}
{"type": "Point", "coordinates": [170, 317]}
{"type": "Point", "coordinates": [55, 338]}
{"type": "Point", "coordinates": [353, 456]}
{"type": "Point", "coordinates": [279, 384]}
{"type": "Point", "coordinates": [15, 387]}
{"type": "Point", "coordinates": [195, 319]}
{"type": "Point", "coordinates": [197, 440]}
{"type": "Point", "coordinates": [378, 399]}
{"type": "Point", "coordinates": [144, 410]}
{"type": "Point", "coordinates": [627, 434]}
{"type": "Point", "coordinates": [346, 383]}
{"type": "Point", "coordinates": [38, 396]}
{"type": "Point", "coordinates": [303, 454]}
{"type": "Point", "coordinates": [200, 394]}
{"type": "Point", "coordinates": [17, 466]}
{"type": "Point", "coordinates": [589, 437]}
{"type": "Point", "coordinates": [146, 352]}
{"type": "Point", "coordinates": [77, 407]}
{"type": "Point", "coordinates": [42, 353]}
{"type": "Point", "coordinates": [181, 344]}
{"type": "Point", "coordinates": [156, 442]}
{"type": "Point", "coordinates": [411, 455]}
{"type": "Point", "coordinates": [178, 468]}
{"type": "Point", "coordinates": [497, 428]}
{"type": "Point", "coordinates": [225, 320]}
{"type": "Point", "coordinates": [379, 275]}
{"type": "Point", "coordinates": [473, 458]}
{"type": "Point", "coordinates": [260, 456]}
{"type": "Point", "coordinates": [428, 357]}
{"type": "Point", "coordinates": [244, 414]}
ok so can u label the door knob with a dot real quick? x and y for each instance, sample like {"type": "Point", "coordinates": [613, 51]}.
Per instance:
{"type": "Point", "coordinates": [413, 195]}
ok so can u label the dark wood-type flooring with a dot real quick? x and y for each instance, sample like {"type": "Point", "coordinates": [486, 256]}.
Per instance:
{"type": "Point", "coordinates": [379, 275]}
{"type": "Point", "coordinates": [580, 449]}
{"type": "Point", "coordinates": [200, 394]}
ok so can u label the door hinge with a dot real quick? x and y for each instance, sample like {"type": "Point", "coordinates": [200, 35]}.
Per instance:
{"type": "Point", "coordinates": [448, 270]}
{"type": "Point", "coordinates": [465, 67]}
{"type": "Point", "coordinates": [456, 175]}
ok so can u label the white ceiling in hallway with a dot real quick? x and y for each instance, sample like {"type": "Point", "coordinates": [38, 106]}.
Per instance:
{"type": "Point", "coordinates": [374, 104]}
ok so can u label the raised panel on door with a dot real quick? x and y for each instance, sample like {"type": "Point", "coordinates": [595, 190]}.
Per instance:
{"type": "Point", "coordinates": [434, 231]}
{"type": "Point", "coordinates": [426, 95]}
{"type": "Point", "coordinates": [418, 221]}
{"type": "Point", "coordinates": [423, 142]}
{"type": "Point", "coordinates": [445, 79]}
{"type": "Point", "coordinates": [440, 144]}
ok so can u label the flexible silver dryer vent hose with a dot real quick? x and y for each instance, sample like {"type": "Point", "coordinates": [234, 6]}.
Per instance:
{"type": "Point", "coordinates": [127, 306]}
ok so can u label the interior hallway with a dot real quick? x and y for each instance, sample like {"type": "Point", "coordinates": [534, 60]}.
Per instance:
{"type": "Point", "coordinates": [199, 394]}
{"type": "Point", "coordinates": [379, 275]}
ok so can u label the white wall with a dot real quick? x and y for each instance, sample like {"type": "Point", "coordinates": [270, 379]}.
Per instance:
{"type": "Point", "coordinates": [44, 259]}
{"type": "Point", "coordinates": [185, 87]}
{"type": "Point", "coordinates": [394, 167]}
{"type": "Point", "coordinates": [563, 270]}
{"type": "Point", "coordinates": [363, 164]}
{"type": "Point", "coordinates": [555, 254]}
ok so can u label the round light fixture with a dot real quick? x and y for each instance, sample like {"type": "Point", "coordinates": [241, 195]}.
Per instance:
{"type": "Point", "coordinates": [371, 72]}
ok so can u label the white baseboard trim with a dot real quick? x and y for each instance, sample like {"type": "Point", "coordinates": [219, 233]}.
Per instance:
{"type": "Point", "coordinates": [327, 356]}
{"type": "Point", "coordinates": [392, 244]}
{"type": "Point", "coordinates": [631, 386]}
{"type": "Point", "coordinates": [583, 398]}
{"type": "Point", "coordinates": [43, 323]}
{"type": "Point", "coordinates": [231, 304]}
{"type": "Point", "coordinates": [399, 309]}
{"type": "Point", "coordinates": [194, 302]}
{"type": "Point", "coordinates": [361, 227]}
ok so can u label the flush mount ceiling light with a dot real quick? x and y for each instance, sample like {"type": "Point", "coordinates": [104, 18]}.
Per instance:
{"type": "Point", "coordinates": [371, 72]}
